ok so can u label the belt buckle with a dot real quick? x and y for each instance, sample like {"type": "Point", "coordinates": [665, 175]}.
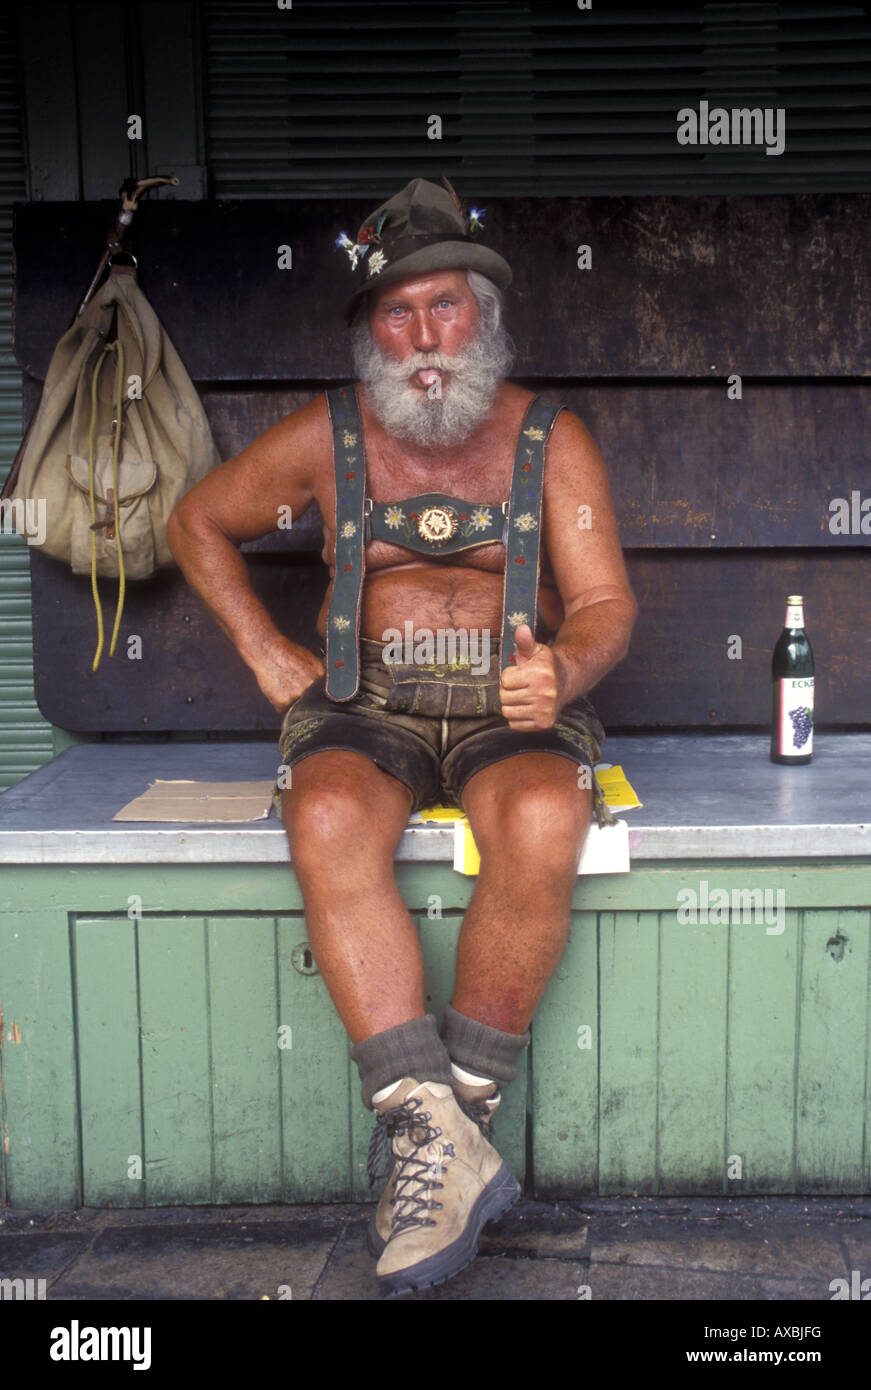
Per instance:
{"type": "Point", "coordinates": [437, 523]}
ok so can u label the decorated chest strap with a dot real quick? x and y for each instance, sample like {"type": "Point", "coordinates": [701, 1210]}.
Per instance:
{"type": "Point", "coordinates": [343, 618]}
{"type": "Point", "coordinates": [520, 598]}
{"type": "Point", "coordinates": [435, 523]}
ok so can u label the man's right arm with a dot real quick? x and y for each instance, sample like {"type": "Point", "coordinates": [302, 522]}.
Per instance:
{"type": "Point", "coordinates": [241, 500]}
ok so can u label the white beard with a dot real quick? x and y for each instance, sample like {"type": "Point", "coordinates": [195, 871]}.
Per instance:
{"type": "Point", "coordinates": [408, 412]}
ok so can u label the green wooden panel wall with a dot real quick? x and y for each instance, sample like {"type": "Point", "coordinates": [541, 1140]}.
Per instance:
{"type": "Point", "coordinates": [665, 1059]}
{"type": "Point", "coordinates": [211, 1070]}
{"type": "Point", "coordinates": [722, 1060]}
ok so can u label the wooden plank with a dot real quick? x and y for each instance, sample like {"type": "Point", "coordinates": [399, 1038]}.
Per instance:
{"type": "Point", "coordinates": [315, 1101]}
{"type": "Point", "coordinates": [678, 672]}
{"type": "Point", "coordinates": [48, 78]}
{"type": "Point", "coordinates": [679, 287]}
{"type": "Point", "coordinates": [199, 888]}
{"type": "Point", "coordinates": [762, 1023]}
{"type": "Point", "coordinates": [687, 467]}
{"type": "Point", "coordinates": [190, 675]}
{"type": "Point", "coordinates": [171, 60]}
{"type": "Point", "coordinates": [106, 153]}
{"type": "Point", "coordinates": [176, 1071]}
{"type": "Point", "coordinates": [107, 1014]}
{"type": "Point", "coordinates": [628, 973]}
{"type": "Point", "coordinates": [566, 1071]}
{"type": "Point", "coordinates": [691, 1056]}
{"type": "Point", "coordinates": [832, 1051]}
{"type": "Point", "coordinates": [41, 1139]}
{"type": "Point", "coordinates": [685, 463]}
{"type": "Point", "coordinates": [243, 1027]}
{"type": "Point", "coordinates": [690, 467]}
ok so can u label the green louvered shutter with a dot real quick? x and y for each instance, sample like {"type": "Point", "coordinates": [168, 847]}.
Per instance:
{"type": "Point", "coordinates": [536, 97]}
{"type": "Point", "coordinates": [26, 740]}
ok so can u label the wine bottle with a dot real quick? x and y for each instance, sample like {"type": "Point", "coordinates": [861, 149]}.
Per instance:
{"type": "Point", "coordinates": [792, 676]}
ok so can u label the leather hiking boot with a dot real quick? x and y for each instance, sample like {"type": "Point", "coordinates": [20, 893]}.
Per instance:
{"type": "Point", "coordinates": [447, 1181]}
{"type": "Point", "coordinates": [480, 1103]}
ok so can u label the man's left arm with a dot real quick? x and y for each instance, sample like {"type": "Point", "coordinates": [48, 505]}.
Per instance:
{"type": "Point", "coordinates": [579, 533]}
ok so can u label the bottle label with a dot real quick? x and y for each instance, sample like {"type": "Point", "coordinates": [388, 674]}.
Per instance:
{"type": "Point", "coordinates": [794, 615]}
{"type": "Point", "coordinates": [795, 725]}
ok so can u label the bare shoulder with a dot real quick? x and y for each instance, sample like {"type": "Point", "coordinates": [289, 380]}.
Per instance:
{"type": "Point", "coordinates": [580, 526]}
{"type": "Point", "coordinates": [572, 447]}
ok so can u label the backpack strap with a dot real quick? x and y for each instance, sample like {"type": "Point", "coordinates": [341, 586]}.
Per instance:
{"type": "Point", "coordinates": [343, 618]}
{"type": "Point", "coordinates": [523, 550]}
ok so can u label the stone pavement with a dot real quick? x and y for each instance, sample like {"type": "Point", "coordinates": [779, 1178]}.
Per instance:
{"type": "Point", "coordinates": [749, 1249]}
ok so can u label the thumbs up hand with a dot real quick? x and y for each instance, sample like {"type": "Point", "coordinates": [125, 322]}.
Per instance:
{"type": "Point", "coordinates": [533, 690]}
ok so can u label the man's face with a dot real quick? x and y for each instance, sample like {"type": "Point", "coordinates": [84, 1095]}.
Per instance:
{"type": "Point", "coordinates": [432, 315]}
{"type": "Point", "coordinates": [431, 360]}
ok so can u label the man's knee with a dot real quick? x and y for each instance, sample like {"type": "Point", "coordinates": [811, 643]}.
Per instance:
{"type": "Point", "coordinates": [338, 805]}
{"type": "Point", "coordinates": [537, 827]}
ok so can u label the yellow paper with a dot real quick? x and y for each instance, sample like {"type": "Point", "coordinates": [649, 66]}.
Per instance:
{"type": "Point", "coordinates": [440, 813]}
{"type": "Point", "coordinates": [470, 856]}
{"type": "Point", "coordinates": [618, 793]}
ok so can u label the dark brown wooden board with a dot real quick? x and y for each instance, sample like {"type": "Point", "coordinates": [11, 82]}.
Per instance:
{"type": "Point", "coordinates": [677, 673]}
{"type": "Point", "coordinates": [189, 677]}
{"type": "Point", "coordinates": [679, 287]}
{"type": "Point", "coordinates": [688, 466]}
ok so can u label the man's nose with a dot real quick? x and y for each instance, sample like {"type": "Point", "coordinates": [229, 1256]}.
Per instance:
{"type": "Point", "coordinates": [424, 332]}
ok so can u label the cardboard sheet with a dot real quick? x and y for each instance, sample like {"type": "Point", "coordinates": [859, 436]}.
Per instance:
{"type": "Point", "coordinates": [200, 802]}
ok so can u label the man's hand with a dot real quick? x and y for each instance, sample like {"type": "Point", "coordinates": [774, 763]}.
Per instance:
{"type": "Point", "coordinates": [286, 672]}
{"type": "Point", "coordinates": [533, 691]}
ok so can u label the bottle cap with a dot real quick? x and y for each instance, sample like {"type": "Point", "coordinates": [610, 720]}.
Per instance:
{"type": "Point", "coordinates": [795, 598]}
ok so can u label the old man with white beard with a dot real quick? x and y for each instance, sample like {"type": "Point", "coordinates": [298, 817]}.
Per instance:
{"type": "Point", "coordinates": [451, 502]}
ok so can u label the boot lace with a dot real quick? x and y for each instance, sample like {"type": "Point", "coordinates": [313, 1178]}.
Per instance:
{"type": "Point", "coordinates": [416, 1177]}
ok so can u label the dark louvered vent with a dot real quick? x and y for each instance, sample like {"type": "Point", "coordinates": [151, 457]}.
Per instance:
{"type": "Point", "coordinates": [333, 98]}
{"type": "Point", "coordinates": [25, 737]}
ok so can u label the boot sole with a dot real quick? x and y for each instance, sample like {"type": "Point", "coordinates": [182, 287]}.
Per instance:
{"type": "Point", "coordinates": [501, 1192]}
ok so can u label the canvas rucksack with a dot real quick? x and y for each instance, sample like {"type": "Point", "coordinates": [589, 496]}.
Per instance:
{"type": "Point", "coordinates": [118, 437]}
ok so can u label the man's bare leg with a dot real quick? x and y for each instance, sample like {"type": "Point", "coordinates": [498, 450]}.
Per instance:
{"type": "Point", "coordinates": [529, 819]}
{"type": "Point", "coordinates": [344, 818]}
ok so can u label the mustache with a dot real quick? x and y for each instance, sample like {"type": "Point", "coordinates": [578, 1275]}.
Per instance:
{"type": "Point", "coordinates": [403, 371]}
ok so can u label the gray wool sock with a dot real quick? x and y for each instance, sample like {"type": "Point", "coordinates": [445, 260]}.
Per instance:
{"type": "Point", "coordinates": [480, 1048]}
{"type": "Point", "coordinates": [409, 1049]}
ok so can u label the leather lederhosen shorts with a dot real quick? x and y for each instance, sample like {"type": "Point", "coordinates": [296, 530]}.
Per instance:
{"type": "Point", "coordinates": [433, 726]}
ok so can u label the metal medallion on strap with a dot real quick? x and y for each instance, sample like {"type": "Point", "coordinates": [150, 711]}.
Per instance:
{"type": "Point", "coordinates": [343, 618]}
{"type": "Point", "coordinates": [520, 596]}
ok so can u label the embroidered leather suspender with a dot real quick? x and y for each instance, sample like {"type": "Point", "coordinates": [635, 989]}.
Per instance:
{"type": "Point", "coordinates": [343, 619]}
{"type": "Point", "coordinates": [438, 531]}
{"type": "Point", "coordinates": [523, 554]}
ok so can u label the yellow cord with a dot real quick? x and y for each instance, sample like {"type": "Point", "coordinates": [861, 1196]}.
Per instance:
{"type": "Point", "coordinates": [116, 445]}
{"type": "Point", "coordinates": [94, 587]}
{"type": "Point", "coordinates": [122, 583]}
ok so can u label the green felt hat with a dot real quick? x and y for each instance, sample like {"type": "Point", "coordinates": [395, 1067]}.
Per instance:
{"type": "Point", "coordinates": [420, 229]}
